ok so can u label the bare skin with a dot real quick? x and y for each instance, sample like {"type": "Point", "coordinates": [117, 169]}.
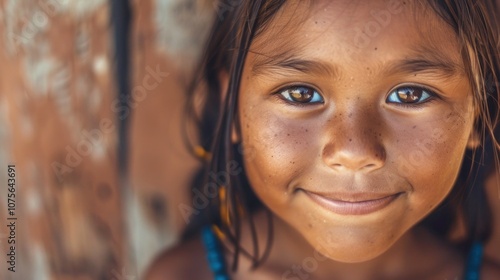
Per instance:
{"type": "Point", "coordinates": [356, 138]}
{"type": "Point", "coordinates": [431, 259]}
{"type": "Point", "coordinates": [361, 143]}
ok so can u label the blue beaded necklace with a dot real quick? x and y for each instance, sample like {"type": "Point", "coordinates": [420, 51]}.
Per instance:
{"type": "Point", "coordinates": [217, 264]}
{"type": "Point", "coordinates": [473, 266]}
{"type": "Point", "coordinates": [214, 254]}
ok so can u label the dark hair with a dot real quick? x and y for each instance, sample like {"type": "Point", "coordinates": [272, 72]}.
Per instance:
{"type": "Point", "coordinates": [475, 23]}
{"type": "Point", "coordinates": [229, 42]}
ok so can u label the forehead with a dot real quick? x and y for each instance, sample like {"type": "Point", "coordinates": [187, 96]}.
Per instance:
{"type": "Point", "coordinates": [351, 31]}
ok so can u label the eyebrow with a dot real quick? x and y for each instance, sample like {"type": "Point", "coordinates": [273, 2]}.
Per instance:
{"type": "Point", "coordinates": [422, 61]}
{"type": "Point", "coordinates": [426, 60]}
{"type": "Point", "coordinates": [285, 62]}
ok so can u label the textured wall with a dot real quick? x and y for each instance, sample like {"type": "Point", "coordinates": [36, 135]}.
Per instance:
{"type": "Point", "coordinates": [58, 124]}
{"type": "Point", "coordinates": [167, 35]}
{"type": "Point", "coordinates": [57, 127]}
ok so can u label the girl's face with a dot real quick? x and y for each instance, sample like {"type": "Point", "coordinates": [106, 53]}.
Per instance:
{"type": "Point", "coordinates": [357, 115]}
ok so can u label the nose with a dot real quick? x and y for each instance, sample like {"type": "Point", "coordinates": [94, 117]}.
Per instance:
{"type": "Point", "coordinates": [354, 145]}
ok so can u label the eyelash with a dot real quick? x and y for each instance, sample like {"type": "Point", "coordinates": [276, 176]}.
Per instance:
{"type": "Point", "coordinates": [430, 96]}
{"type": "Point", "coordinates": [288, 99]}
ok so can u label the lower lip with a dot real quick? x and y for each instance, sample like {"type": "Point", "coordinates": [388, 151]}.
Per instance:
{"type": "Point", "coordinates": [352, 208]}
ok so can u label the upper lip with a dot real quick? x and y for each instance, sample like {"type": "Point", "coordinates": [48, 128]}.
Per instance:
{"type": "Point", "coordinates": [353, 197]}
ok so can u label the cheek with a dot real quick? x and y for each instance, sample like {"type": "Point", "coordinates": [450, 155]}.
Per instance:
{"type": "Point", "coordinates": [429, 154]}
{"type": "Point", "coordinates": [280, 148]}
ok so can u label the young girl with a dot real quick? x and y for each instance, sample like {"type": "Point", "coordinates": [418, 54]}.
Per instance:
{"type": "Point", "coordinates": [339, 140]}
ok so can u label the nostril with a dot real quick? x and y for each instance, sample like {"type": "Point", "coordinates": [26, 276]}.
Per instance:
{"type": "Point", "coordinates": [366, 155]}
{"type": "Point", "coordinates": [368, 166]}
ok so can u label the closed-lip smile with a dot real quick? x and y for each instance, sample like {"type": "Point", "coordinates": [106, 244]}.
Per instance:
{"type": "Point", "coordinates": [353, 203]}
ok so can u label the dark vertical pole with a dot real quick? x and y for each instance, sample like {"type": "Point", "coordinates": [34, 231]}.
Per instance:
{"type": "Point", "coordinates": [121, 16]}
{"type": "Point", "coordinates": [120, 21]}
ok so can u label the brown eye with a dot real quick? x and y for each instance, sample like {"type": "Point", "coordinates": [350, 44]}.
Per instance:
{"type": "Point", "coordinates": [409, 95]}
{"type": "Point", "coordinates": [302, 95]}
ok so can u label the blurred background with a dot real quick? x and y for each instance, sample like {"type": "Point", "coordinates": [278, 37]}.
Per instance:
{"type": "Point", "coordinates": [91, 100]}
{"type": "Point", "coordinates": [91, 96]}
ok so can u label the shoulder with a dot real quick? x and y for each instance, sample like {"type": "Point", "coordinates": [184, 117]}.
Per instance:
{"type": "Point", "coordinates": [490, 270]}
{"type": "Point", "coordinates": [187, 260]}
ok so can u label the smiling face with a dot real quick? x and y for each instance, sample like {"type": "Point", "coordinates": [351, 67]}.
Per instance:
{"type": "Point", "coordinates": [358, 117]}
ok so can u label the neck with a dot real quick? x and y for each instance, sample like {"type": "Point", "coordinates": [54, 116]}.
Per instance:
{"type": "Point", "coordinates": [292, 257]}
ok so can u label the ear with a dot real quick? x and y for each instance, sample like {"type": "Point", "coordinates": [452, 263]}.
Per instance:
{"type": "Point", "coordinates": [474, 140]}
{"type": "Point", "coordinates": [224, 85]}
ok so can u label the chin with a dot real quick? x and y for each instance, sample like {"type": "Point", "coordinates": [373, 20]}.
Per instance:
{"type": "Point", "coordinates": [352, 256]}
{"type": "Point", "coordinates": [349, 246]}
